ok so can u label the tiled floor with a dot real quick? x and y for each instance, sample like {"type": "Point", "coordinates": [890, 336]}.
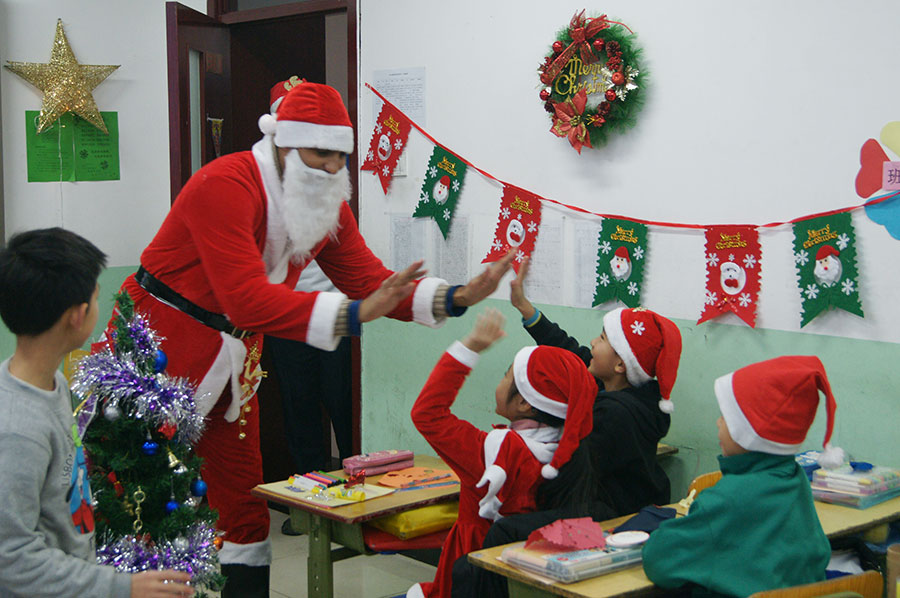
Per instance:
{"type": "Point", "coordinates": [376, 576]}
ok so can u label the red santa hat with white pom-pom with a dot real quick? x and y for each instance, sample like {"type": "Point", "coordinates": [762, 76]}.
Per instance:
{"type": "Point", "coordinates": [309, 115]}
{"type": "Point", "coordinates": [557, 382]}
{"type": "Point", "coordinates": [650, 347]}
{"type": "Point", "coordinates": [769, 406]}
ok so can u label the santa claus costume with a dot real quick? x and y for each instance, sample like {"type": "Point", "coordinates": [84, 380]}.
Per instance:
{"type": "Point", "coordinates": [500, 471]}
{"type": "Point", "coordinates": [221, 272]}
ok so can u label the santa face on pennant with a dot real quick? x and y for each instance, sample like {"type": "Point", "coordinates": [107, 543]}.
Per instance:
{"type": "Point", "coordinates": [732, 278]}
{"type": "Point", "coordinates": [620, 264]}
{"type": "Point", "coordinates": [384, 148]}
{"type": "Point", "coordinates": [515, 233]}
{"type": "Point", "coordinates": [827, 271]}
{"type": "Point", "coordinates": [441, 191]}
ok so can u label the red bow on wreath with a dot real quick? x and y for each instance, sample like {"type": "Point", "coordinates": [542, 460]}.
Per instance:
{"type": "Point", "coordinates": [569, 121]}
{"type": "Point", "coordinates": [581, 30]}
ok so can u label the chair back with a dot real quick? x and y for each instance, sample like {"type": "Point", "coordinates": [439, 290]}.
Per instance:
{"type": "Point", "coordinates": [867, 584]}
{"type": "Point", "coordinates": [704, 481]}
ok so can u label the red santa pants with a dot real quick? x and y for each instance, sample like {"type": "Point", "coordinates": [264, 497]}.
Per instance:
{"type": "Point", "coordinates": [231, 468]}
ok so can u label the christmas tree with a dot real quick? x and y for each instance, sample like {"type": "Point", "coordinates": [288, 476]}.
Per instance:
{"type": "Point", "coordinates": [138, 426]}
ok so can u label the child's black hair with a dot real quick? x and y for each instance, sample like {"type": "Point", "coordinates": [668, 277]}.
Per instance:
{"type": "Point", "coordinates": [43, 273]}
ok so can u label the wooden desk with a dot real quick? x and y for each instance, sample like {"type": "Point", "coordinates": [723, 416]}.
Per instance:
{"type": "Point", "coordinates": [836, 521]}
{"type": "Point", "coordinates": [343, 525]}
{"type": "Point", "coordinates": [664, 450]}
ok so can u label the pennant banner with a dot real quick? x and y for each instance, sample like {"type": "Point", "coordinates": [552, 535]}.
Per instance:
{"type": "Point", "coordinates": [443, 183]}
{"type": "Point", "coordinates": [517, 226]}
{"type": "Point", "coordinates": [621, 258]}
{"type": "Point", "coordinates": [388, 142]}
{"type": "Point", "coordinates": [733, 269]}
{"type": "Point", "coordinates": [825, 258]}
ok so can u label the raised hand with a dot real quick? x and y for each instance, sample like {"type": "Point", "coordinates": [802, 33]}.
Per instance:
{"type": "Point", "coordinates": [488, 330]}
{"type": "Point", "coordinates": [394, 289]}
{"type": "Point", "coordinates": [485, 283]}
{"type": "Point", "coordinates": [517, 292]}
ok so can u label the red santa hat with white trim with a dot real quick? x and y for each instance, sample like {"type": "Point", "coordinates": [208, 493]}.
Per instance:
{"type": "Point", "coordinates": [769, 406]}
{"type": "Point", "coordinates": [649, 345]}
{"type": "Point", "coordinates": [281, 89]}
{"type": "Point", "coordinates": [557, 382]}
{"type": "Point", "coordinates": [825, 251]}
{"type": "Point", "coordinates": [622, 252]}
{"type": "Point", "coordinates": [310, 115]}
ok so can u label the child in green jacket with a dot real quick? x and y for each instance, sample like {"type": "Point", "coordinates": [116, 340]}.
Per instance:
{"type": "Point", "coordinates": [757, 528]}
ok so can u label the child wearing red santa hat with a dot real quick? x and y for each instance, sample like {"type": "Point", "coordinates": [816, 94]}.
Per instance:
{"type": "Point", "coordinates": [547, 396]}
{"type": "Point", "coordinates": [757, 528]}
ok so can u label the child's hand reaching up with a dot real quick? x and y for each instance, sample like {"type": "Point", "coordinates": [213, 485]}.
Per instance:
{"type": "Point", "coordinates": [517, 292]}
{"type": "Point", "coordinates": [488, 330]}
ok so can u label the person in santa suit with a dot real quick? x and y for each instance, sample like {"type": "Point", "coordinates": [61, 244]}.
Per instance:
{"type": "Point", "coordinates": [546, 395]}
{"type": "Point", "coordinates": [220, 273]}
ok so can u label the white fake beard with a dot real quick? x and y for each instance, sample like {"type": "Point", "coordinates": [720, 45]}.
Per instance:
{"type": "Point", "coordinates": [311, 200]}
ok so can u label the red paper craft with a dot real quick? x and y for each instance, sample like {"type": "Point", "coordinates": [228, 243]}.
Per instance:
{"type": "Point", "coordinates": [388, 142]}
{"type": "Point", "coordinates": [871, 158]}
{"type": "Point", "coordinates": [517, 226]}
{"type": "Point", "coordinates": [568, 534]}
{"type": "Point", "coordinates": [733, 266]}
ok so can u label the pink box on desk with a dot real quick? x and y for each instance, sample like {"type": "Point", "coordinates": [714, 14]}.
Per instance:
{"type": "Point", "coordinates": [378, 462]}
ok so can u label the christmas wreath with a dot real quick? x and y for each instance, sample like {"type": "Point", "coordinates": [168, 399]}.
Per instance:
{"type": "Point", "coordinates": [589, 81]}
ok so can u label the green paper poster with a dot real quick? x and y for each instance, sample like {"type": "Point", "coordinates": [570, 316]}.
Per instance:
{"type": "Point", "coordinates": [72, 149]}
{"type": "Point", "coordinates": [825, 258]}
{"type": "Point", "coordinates": [441, 189]}
{"type": "Point", "coordinates": [621, 257]}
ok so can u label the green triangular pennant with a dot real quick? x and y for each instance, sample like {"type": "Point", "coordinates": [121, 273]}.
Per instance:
{"type": "Point", "coordinates": [440, 191]}
{"type": "Point", "coordinates": [621, 256]}
{"type": "Point", "coordinates": [825, 258]}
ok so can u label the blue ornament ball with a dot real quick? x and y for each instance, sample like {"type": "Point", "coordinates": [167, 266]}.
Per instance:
{"type": "Point", "coordinates": [162, 360]}
{"type": "Point", "coordinates": [171, 506]}
{"type": "Point", "coordinates": [150, 448]}
{"type": "Point", "coordinates": [198, 488]}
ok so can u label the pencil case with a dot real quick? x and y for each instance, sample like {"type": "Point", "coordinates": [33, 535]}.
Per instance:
{"type": "Point", "coordinates": [378, 462]}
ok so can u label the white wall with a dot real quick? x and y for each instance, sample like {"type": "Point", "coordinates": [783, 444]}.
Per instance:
{"type": "Point", "coordinates": [756, 113]}
{"type": "Point", "coordinates": [121, 216]}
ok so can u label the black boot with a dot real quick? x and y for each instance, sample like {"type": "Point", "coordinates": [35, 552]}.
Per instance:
{"type": "Point", "coordinates": [245, 581]}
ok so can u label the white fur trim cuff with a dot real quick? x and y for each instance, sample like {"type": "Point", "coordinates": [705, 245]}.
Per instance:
{"type": "Point", "coordinates": [423, 302]}
{"type": "Point", "coordinates": [255, 554]}
{"type": "Point", "coordinates": [463, 354]}
{"type": "Point", "coordinates": [739, 426]}
{"type": "Point", "coordinates": [612, 325]}
{"type": "Point", "coordinates": [292, 133]}
{"type": "Point", "coordinates": [529, 392]}
{"type": "Point", "coordinates": [489, 505]}
{"type": "Point", "coordinates": [320, 332]}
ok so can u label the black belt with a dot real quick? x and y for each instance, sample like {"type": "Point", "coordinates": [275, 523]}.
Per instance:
{"type": "Point", "coordinates": [164, 293]}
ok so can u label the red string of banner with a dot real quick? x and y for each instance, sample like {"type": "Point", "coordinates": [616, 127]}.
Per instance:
{"type": "Point", "coordinates": [871, 202]}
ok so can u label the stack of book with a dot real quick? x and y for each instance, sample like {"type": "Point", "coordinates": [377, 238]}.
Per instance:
{"type": "Point", "coordinates": [853, 488]}
{"type": "Point", "coordinates": [569, 567]}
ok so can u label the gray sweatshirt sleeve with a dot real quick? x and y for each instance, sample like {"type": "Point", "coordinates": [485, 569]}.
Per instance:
{"type": "Point", "coordinates": [36, 539]}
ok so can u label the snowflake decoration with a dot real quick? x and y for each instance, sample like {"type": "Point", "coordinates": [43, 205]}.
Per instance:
{"type": "Point", "coordinates": [812, 291]}
{"type": "Point", "coordinates": [378, 128]}
{"type": "Point", "coordinates": [604, 279]}
{"type": "Point", "coordinates": [520, 255]}
{"type": "Point", "coordinates": [455, 184]}
{"type": "Point", "coordinates": [750, 261]}
{"type": "Point", "coordinates": [847, 287]}
{"type": "Point", "coordinates": [518, 216]}
{"type": "Point", "coordinates": [398, 144]}
{"type": "Point", "coordinates": [446, 214]}
{"type": "Point", "coordinates": [745, 299]}
{"type": "Point", "coordinates": [843, 241]}
{"type": "Point", "coordinates": [605, 247]}
{"type": "Point", "coordinates": [801, 258]}
{"type": "Point", "coordinates": [638, 253]}
{"type": "Point", "coordinates": [632, 288]}
{"type": "Point", "coordinates": [432, 172]}
{"type": "Point", "coordinates": [637, 328]}
{"type": "Point", "coordinates": [712, 260]}
{"type": "Point", "coordinates": [711, 297]}
{"type": "Point", "coordinates": [532, 226]}
{"type": "Point", "coordinates": [730, 257]}
{"type": "Point", "coordinates": [370, 156]}
{"type": "Point", "coordinates": [498, 245]}
{"type": "Point", "coordinates": [386, 171]}
{"type": "Point", "coordinates": [504, 213]}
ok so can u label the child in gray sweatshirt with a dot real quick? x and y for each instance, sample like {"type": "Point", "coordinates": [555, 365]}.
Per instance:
{"type": "Point", "coordinates": [48, 299]}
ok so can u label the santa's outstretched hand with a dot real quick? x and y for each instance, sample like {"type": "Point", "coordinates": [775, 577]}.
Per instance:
{"type": "Point", "coordinates": [485, 283]}
{"type": "Point", "coordinates": [488, 330]}
{"type": "Point", "coordinates": [394, 289]}
{"type": "Point", "coordinates": [517, 292]}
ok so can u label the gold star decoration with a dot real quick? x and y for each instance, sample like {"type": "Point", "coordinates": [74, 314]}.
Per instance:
{"type": "Point", "coordinates": [67, 85]}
